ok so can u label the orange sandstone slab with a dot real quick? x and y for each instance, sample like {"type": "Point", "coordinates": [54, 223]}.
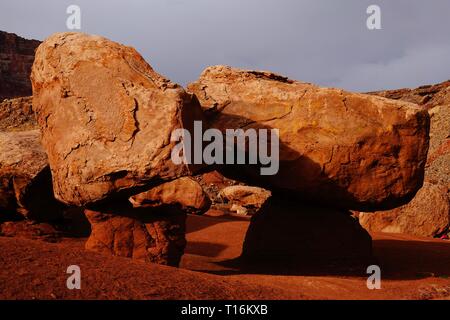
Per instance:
{"type": "Point", "coordinates": [106, 117]}
{"type": "Point", "coordinates": [346, 149]}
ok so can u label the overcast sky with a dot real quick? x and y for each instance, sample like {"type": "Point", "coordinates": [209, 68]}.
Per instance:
{"type": "Point", "coordinates": [321, 41]}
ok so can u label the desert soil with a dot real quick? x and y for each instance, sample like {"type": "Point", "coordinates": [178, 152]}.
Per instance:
{"type": "Point", "coordinates": [412, 268]}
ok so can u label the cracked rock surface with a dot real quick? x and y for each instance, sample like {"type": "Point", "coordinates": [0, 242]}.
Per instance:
{"type": "Point", "coordinates": [106, 117]}
{"type": "Point", "coordinates": [346, 149]}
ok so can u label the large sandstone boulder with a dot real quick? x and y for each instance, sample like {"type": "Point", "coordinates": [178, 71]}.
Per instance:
{"type": "Point", "coordinates": [25, 181]}
{"type": "Point", "coordinates": [427, 215]}
{"type": "Point", "coordinates": [351, 150]}
{"type": "Point", "coordinates": [134, 233]}
{"type": "Point", "coordinates": [184, 193]}
{"type": "Point", "coordinates": [106, 117]}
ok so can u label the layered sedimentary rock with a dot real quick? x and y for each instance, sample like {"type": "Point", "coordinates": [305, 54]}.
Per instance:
{"type": "Point", "coordinates": [17, 115]}
{"type": "Point", "coordinates": [16, 59]}
{"type": "Point", "coordinates": [26, 185]}
{"type": "Point", "coordinates": [106, 118]}
{"type": "Point", "coordinates": [350, 150]}
{"type": "Point", "coordinates": [184, 193]}
{"type": "Point", "coordinates": [138, 234]}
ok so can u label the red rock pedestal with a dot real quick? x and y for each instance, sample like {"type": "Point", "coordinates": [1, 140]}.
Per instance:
{"type": "Point", "coordinates": [303, 236]}
{"type": "Point", "coordinates": [141, 234]}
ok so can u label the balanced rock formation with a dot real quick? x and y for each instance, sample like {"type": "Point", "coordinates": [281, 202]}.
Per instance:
{"type": "Point", "coordinates": [106, 118]}
{"type": "Point", "coordinates": [427, 215]}
{"type": "Point", "coordinates": [16, 59]}
{"type": "Point", "coordinates": [350, 150]}
{"type": "Point", "coordinates": [184, 193]}
{"type": "Point", "coordinates": [138, 234]}
{"type": "Point", "coordinates": [25, 181]}
{"type": "Point", "coordinates": [17, 115]}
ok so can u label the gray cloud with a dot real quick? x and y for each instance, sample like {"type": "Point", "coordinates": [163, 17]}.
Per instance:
{"type": "Point", "coordinates": [320, 41]}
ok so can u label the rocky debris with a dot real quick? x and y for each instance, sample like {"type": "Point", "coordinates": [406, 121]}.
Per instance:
{"type": "Point", "coordinates": [427, 215]}
{"type": "Point", "coordinates": [240, 210]}
{"type": "Point", "coordinates": [26, 185]}
{"type": "Point", "coordinates": [289, 232]}
{"type": "Point", "coordinates": [16, 59]}
{"type": "Point", "coordinates": [30, 230]}
{"type": "Point", "coordinates": [184, 193]}
{"type": "Point", "coordinates": [212, 183]}
{"type": "Point", "coordinates": [106, 118]}
{"type": "Point", "coordinates": [17, 115]}
{"type": "Point", "coordinates": [354, 151]}
{"type": "Point", "coordinates": [245, 199]}
{"type": "Point", "coordinates": [138, 234]}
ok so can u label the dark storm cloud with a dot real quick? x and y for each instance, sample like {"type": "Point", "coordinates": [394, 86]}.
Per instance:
{"type": "Point", "coordinates": [320, 41]}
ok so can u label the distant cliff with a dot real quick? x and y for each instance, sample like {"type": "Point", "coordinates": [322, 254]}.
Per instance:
{"type": "Point", "coordinates": [16, 59]}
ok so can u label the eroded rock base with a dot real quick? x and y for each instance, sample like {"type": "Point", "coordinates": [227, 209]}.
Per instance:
{"type": "Point", "coordinates": [143, 234]}
{"type": "Point", "coordinates": [303, 235]}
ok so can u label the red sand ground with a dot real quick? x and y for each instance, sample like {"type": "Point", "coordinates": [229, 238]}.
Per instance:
{"type": "Point", "coordinates": [412, 268]}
